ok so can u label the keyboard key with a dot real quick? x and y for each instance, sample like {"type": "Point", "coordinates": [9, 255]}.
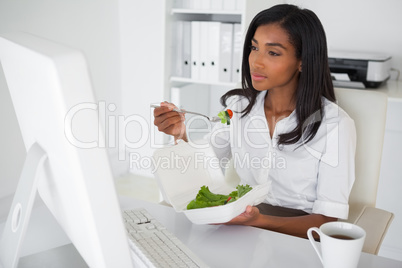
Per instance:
{"type": "Point", "coordinates": [156, 246]}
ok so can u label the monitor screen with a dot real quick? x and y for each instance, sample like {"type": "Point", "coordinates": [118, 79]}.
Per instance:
{"type": "Point", "coordinates": [55, 106]}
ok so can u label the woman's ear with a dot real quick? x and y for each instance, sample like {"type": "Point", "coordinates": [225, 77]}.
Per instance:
{"type": "Point", "coordinates": [300, 67]}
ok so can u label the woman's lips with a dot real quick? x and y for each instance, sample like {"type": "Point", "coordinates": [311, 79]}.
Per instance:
{"type": "Point", "coordinates": [257, 76]}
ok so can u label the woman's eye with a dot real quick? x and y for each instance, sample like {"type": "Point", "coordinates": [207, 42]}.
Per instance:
{"type": "Point", "coordinates": [253, 48]}
{"type": "Point", "coordinates": [273, 53]}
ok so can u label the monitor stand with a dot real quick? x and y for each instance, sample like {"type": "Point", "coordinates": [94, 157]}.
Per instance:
{"type": "Point", "coordinates": [20, 212]}
{"type": "Point", "coordinates": [65, 256]}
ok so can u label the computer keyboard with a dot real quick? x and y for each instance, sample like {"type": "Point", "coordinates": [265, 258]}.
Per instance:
{"type": "Point", "coordinates": [152, 245]}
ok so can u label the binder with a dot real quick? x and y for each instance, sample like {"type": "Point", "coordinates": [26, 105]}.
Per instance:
{"type": "Point", "coordinates": [197, 4]}
{"type": "Point", "coordinates": [177, 3]}
{"type": "Point", "coordinates": [181, 51]}
{"type": "Point", "coordinates": [229, 4]}
{"type": "Point", "coordinates": [186, 52]}
{"type": "Point", "coordinates": [195, 50]}
{"type": "Point", "coordinates": [237, 52]}
{"type": "Point", "coordinates": [177, 54]}
{"type": "Point", "coordinates": [226, 48]}
{"type": "Point", "coordinates": [203, 50]}
{"type": "Point", "coordinates": [240, 4]}
{"type": "Point", "coordinates": [187, 4]}
{"type": "Point", "coordinates": [206, 4]}
{"type": "Point", "coordinates": [213, 47]}
{"type": "Point", "coordinates": [216, 4]}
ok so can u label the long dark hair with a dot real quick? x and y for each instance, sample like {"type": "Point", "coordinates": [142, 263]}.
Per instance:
{"type": "Point", "coordinates": [307, 35]}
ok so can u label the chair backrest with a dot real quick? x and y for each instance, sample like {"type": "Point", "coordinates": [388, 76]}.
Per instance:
{"type": "Point", "coordinates": [368, 108]}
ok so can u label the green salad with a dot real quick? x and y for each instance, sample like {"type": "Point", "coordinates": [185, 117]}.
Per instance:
{"type": "Point", "coordinates": [225, 116]}
{"type": "Point", "coordinates": [205, 198]}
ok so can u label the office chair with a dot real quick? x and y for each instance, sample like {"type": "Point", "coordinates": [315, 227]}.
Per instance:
{"type": "Point", "coordinates": [368, 109]}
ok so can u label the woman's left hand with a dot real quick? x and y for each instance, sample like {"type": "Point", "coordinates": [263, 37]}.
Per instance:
{"type": "Point", "coordinates": [246, 218]}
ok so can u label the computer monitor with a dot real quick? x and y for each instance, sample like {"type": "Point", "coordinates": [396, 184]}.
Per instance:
{"type": "Point", "coordinates": [53, 99]}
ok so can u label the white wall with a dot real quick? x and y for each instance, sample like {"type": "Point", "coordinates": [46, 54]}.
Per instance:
{"type": "Point", "coordinates": [361, 25]}
{"type": "Point", "coordinates": [125, 48]}
{"type": "Point", "coordinates": [88, 25]}
{"type": "Point", "coordinates": [143, 59]}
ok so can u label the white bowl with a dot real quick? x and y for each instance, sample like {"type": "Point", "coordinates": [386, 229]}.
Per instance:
{"type": "Point", "coordinates": [180, 183]}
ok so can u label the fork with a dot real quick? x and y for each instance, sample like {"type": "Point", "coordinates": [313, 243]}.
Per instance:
{"type": "Point", "coordinates": [211, 119]}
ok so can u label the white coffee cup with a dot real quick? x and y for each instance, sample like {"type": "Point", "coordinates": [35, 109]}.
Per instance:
{"type": "Point", "coordinates": [341, 244]}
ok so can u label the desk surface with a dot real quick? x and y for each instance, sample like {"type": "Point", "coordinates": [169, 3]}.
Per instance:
{"type": "Point", "coordinates": [393, 89]}
{"type": "Point", "coordinates": [240, 246]}
{"type": "Point", "coordinates": [217, 245]}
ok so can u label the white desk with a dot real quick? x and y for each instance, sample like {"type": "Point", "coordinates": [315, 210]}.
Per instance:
{"type": "Point", "coordinates": [240, 246]}
{"type": "Point", "coordinates": [217, 245]}
{"type": "Point", "coordinates": [393, 89]}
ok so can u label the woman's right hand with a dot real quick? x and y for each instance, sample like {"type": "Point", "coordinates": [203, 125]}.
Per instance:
{"type": "Point", "coordinates": [169, 121]}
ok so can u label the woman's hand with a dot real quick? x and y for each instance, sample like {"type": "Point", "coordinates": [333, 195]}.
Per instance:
{"type": "Point", "coordinates": [248, 217]}
{"type": "Point", "coordinates": [170, 122]}
{"type": "Point", "coordinates": [296, 226]}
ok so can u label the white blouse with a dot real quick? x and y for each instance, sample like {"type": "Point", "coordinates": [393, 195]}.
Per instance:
{"type": "Point", "coordinates": [316, 177]}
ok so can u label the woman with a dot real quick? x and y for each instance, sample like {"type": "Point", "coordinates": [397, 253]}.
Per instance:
{"type": "Point", "coordinates": [287, 124]}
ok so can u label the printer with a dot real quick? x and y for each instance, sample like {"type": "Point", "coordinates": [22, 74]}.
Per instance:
{"type": "Point", "coordinates": [358, 70]}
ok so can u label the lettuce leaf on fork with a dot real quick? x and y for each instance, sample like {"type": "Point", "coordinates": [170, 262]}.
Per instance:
{"type": "Point", "coordinates": [205, 198]}
{"type": "Point", "coordinates": [225, 116]}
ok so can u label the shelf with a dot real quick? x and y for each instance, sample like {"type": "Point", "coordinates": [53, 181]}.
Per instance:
{"type": "Point", "coordinates": [231, 16]}
{"type": "Point", "coordinates": [180, 81]}
{"type": "Point", "coordinates": [205, 11]}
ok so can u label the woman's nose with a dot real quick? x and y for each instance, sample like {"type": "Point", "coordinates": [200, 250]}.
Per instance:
{"type": "Point", "coordinates": [256, 60]}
